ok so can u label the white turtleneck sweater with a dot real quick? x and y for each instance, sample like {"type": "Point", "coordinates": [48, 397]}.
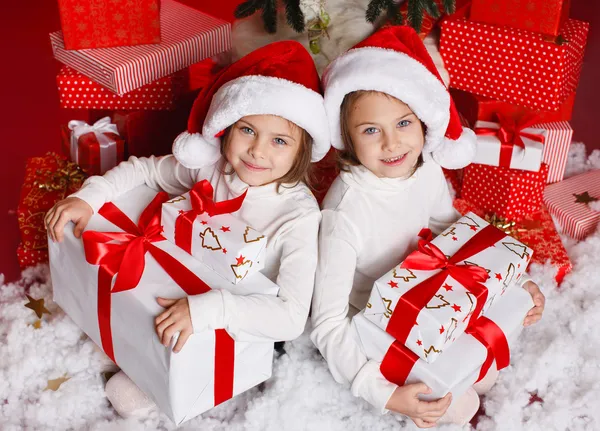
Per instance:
{"type": "Point", "coordinates": [289, 217]}
{"type": "Point", "coordinates": [369, 225]}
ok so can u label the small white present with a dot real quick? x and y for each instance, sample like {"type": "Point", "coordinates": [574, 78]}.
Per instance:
{"type": "Point", "coordinates": [209, 232]}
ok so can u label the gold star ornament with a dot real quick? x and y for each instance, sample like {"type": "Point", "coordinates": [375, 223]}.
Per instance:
{"type": "Point", "coordinates": [54, 384]}
{"type": "Point", "coordinates": [37, 305]}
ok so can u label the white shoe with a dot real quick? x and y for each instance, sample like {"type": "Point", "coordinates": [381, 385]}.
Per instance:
{"type": "Point", "coordinates": [484, 385]}
{"type": "Point", "coordinates": [127, 399]}
{"type": "Point", "coordinates": [462, 410]}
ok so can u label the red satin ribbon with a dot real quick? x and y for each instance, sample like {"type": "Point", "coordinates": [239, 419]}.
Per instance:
{"type": "Point", "coordinates": [399, 361]}
{"type": "Point", "coordinates": [511, 134]}
{"type": "Point", "coordinates": [123, 254]}
{"type": "Point", "coordinates": [201, 197]}
{"type": "Point", "coordinates": [429, 257]}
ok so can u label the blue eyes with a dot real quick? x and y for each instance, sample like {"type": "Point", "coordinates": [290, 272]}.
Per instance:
{"type": "Point", "coordinates": [248, 131]}
{"type": "Point", "coordinates": [373, 130]}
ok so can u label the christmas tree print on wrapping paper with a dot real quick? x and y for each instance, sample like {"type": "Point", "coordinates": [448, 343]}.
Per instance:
{"type": "Point", "coordinates": [447, 314]}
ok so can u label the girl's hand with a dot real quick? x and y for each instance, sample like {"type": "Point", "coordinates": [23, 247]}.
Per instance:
{"type": "Point", "coordinates": [535, 314]}
{"type": "Point", "coordinates": [69, 209]}
{"type": "Point", "coordinates": [424, 414]}
{"type": "Point", "coordinates": [175, 319]}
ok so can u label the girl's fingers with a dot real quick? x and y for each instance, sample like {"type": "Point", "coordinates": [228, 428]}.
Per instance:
{"type": "Point", "coordinates": [160, 328]}
{"type": "Point", "coordinates": [183, 337]}
{"type": "Point", "coordinates": [162, 316]}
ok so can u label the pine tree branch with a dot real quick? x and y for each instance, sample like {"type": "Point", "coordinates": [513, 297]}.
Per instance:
{"type": "Point", "coordinates": [246, 9]}
{"type": "Point", "coordinates": [269, 15]}
{"type": "Point", "coordinates": [432, 9]}
{"type": "Point", "coordinates": [393, 13]}
{"type": "Point", "coordinates": [374, 10]}
{"type": "Point", "coordinates": [415, 14]}
{"type": "Point", "coordinates": [449, 6]}
{"type": "Point", "coordinates": [294, 15]}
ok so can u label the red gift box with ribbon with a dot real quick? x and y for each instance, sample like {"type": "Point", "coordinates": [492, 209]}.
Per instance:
{"type": "Point", "coordinates": [536, 230]}
{"type": "Point", "coordinates": [486, 344]}
{"type": "Point", "coordinates": [440, 290]}
{"type": "Point", "coordinates": [103, 23]}
{"type": "Point", "coordinates": [509, 193]}
{"type": "Point", "coordinates": [97, 148]}
{"type": "Point", "coordinates": [48, 179]}
{"type": "Point", "coordinates": [512, 65]}
{"type": "Point", "coordinates": [108, 284]}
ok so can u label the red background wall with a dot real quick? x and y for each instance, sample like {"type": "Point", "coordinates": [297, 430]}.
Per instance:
{"type": "Point", "coordinates": [31, 115]}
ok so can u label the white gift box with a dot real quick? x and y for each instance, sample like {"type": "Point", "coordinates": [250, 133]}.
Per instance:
{"type": "Point", "coordinates": [489, 149]}
{"type": "Point", "coordinates": [458, 368]}
{"type": "Point", "coordinates": [448, 311]}
{"type": "Point", "coordinates": [182, 384]}
{"type": "Point", "coordinates": [223, 242]}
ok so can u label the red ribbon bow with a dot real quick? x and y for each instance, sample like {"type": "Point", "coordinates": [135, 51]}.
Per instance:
{"type": "Point", "coordinates": [511, 134]}
{"type": "Point", "coordinates": [429, 257]}
{"type": "Point", "coordinates": [399, 361]}
{"type": "Point", "coordinates": [123, 254]}
{"type": "Point", "coordinates": [201, 197]}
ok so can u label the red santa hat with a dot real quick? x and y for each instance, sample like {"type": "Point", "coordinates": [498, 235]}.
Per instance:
{"type": "Point", "coordinates": [394, 61]}
{"type": "Point", "coordinates": [278, 79]}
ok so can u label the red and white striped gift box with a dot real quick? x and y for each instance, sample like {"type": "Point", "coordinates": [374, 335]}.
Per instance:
{"type": "Point", "coordinates": [77, 91]}
{"type": "Point", "coordinates": [569, 201]}
{"type": "Point", "coordinates": [513, 65]}
{"type": "Point", "coordinates": [556, 148]}
{"type": "Point", "coordinates": [188, 36]}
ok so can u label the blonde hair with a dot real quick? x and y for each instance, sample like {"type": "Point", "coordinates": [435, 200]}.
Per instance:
{"type": "Point", "coordinates": [301, 170]}
{"type": "Point", "coordinates": [347, 157]}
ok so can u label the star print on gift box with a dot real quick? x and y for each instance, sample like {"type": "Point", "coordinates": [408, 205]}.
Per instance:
{"type": "Point", "coordinates": [584, 198]}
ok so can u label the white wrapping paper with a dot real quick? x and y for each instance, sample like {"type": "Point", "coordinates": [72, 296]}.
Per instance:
{"type": "Point", "coordinates": [181, 384]}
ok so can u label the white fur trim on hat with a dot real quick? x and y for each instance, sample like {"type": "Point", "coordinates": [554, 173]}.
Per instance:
{"type": "Point", "coordinates": [456, 154]}
{"type": "Point", "coordinates": [393, 73]}
{"type": "Point", "coordinates": [195, 151]}
{"type": "Point", "coordinates": [262, 95]}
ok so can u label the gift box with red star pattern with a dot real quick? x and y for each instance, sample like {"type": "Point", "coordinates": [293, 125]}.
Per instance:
{"type": "Point", "coordinates": [509, 193]}
{"type": "Point", "coordinates": [537, 231]}
{"type": "Point", "coordinates": [103, 23]}
{"type": "Point", "coordinates": [512, 65]}
{"type": "Point", "coordinates": [431, 298]}
{"type": "Point", "coordinates": [207, 230]}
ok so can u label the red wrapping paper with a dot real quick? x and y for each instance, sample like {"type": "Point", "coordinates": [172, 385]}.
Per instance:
{"type": "Point", "coordinates": [509, 193]}
{"type": "Point", "coordinates": [77, 91]}
{"type": "Point", "coordinates": [48, 179]}
{"type": "Point", "coordinates": [512, 65]}
{"type": "Point", "coordinates": [537, 231]}
{"type": "Point", "coordinates": [31, 257]}
{"type": "Point", "coordinates": [539, 16]}
{"type": "Point", "coordinates": [474, 107]}
{"type": "Point", "coordinates": [103, 23]}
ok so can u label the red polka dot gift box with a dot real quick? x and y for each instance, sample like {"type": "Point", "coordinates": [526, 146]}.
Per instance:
{"type": "Point", "coordinates": [104, 23]}
{"type": "Point", "coordinates": [30, 256]}
{"type": "Point", "coordinates": [575, 202]}
{"type": "Point", "coordinates": [540, 16]}
{"type": "Point", "coordinates": [77, 91]}
{"type": "Point", "coordinates": [512, 65]}
{"type": "Point", "coordinates": [508, 193]}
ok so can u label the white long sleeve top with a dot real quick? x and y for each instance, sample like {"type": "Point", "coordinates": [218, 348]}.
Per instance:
{"type": "Point", "coordinates": [369, 225]}
{"type": "Point", "coordinates": [289, 217]}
